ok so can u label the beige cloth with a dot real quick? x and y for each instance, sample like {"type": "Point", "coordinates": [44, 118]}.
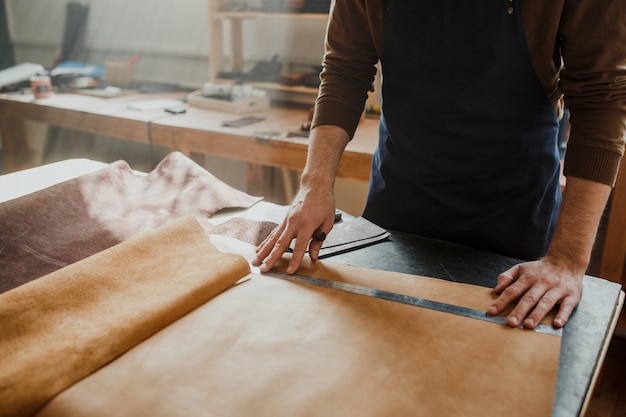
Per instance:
{"type": "Point", "coordinates": [270, 347]}
{"type": "Point", "coordinates": [62, 327]}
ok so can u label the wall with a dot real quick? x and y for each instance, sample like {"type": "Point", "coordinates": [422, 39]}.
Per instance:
{"type": "Point", "coordinates": [172, 36]}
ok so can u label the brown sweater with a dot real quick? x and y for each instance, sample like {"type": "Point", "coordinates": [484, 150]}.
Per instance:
{"type": "Point", "coordinates": [589, 36]}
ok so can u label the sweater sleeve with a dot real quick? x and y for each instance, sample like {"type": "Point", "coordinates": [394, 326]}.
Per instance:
{"type": "Point", "coordinates": [349, 65]}
{"type": "Point", "coordinates": [593, 82]}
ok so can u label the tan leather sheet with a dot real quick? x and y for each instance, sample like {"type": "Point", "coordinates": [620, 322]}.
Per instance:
{"type": "Point", "coordinates": [270, 347]}
{"type": "Point", "coordinates": [62, 327]}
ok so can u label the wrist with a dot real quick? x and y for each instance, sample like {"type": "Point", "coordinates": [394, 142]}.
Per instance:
{"type": "Point", "coordinates": [315, 179]}
{"type": "Point", "coordinates": [326, 145]}
{"type": "Point", "coordinates": [573, 260]}
{"type": "Point", "coordinates": [577, 227]}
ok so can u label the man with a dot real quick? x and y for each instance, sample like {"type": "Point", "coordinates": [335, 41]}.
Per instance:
{"type": "Point", "coordinates": [468, 134]}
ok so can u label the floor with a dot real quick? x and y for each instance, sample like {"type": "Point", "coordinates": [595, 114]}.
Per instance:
{"type": "Point", "coordinates": [609, 396]}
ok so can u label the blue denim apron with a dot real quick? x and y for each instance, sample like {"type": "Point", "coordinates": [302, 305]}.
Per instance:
{"type": "Point", "coordinates": [468, 149]}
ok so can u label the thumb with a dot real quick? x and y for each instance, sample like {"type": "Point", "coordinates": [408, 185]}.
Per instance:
{"type": "Point", "coordinates": [506, 278]}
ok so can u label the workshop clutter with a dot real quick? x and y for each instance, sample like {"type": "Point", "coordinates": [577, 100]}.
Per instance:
{"type": "Point", "coordinates": [290, 6]}
{"type": "Point", "coordinates": [229, 97]}
{"type": "Point", "coordinates": [276, 71]}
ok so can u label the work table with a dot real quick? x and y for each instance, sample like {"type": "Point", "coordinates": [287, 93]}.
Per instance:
{"type": "Point", "coordinates": [585, 338]}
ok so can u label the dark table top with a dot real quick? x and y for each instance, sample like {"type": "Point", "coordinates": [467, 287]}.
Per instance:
{"type": "Point", "coordinates": [585, 336]}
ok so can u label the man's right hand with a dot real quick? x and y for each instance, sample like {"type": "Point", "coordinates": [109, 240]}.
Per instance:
{"type": "Point", "coordinates": [313, 209]}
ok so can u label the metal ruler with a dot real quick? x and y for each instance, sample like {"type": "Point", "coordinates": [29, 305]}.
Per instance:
{"type": "Point", "coordinates": [407, 299]}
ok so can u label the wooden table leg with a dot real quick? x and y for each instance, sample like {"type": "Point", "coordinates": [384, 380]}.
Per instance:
{"type": "Point", "coordinates": [15, 150]}
{"type": "Point", "coordinates": [255, 180]}
{"type": "Point", "coordinates": [614, 249]}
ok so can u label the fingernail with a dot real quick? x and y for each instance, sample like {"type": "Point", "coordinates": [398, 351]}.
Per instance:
{"type": "Point", "coordinates": [513, 321]}
{"type": "Point", "coordinates": [492, 310]}
{"type": "Point", "coordinates": [558, 322]}
{"type": "Point", "coordinates": [290, 269]}
{"type": "Point", "coordinates": [529, 323]}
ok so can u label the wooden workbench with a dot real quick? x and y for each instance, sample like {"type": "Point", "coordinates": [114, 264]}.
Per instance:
{"type": "Point", "coordinates": [201, 131]}
{"type": "Point", "coordinates": [198, 130]}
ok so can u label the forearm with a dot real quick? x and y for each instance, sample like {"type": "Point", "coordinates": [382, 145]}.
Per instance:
{"type": "Point", "coordinates": [583, 204]}
{"type": "Point", "coordinates": [313, 207]}
{"type": "Point", "coordinates": [326, 145]}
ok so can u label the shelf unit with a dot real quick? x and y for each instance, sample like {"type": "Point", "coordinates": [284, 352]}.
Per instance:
{"type": "Point", "coordinates": [218, 15]}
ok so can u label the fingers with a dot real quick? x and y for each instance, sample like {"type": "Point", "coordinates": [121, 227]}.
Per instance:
{"type": "Point", "coordinates": [312, 241]}
{"type": "Point", "coordinates": [507, 278]}
{"type": "Point", "coordinates": [565, 311]}
{"type": "Point", "coordinates": [278, 242]}
{"type": "Point", "coordinates": [533, 306]}
{"type": "Point", "coordinates": [541, 308]}
{"type": "Point", "coordinates": [272, 248]}
{"type": "Point", "coordinates": [318, 237]}
{"type": "Point", "coordinates": [317, 240]}
{"type": "Point", "coordinates": [537, 287]}
{"type": "Point", "coordinates": [264, 249]}
{"type": "Point", "coordinates": [508, 294]}
{"type": "Point", "coordinates": [537, 290]}
{"type": "Point", "coordinates": [531, 297]}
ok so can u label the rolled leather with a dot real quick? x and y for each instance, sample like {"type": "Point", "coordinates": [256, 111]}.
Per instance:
{"type": "Point", "coordinates": [58, 329]}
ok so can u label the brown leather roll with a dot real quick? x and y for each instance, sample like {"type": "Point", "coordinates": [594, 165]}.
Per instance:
{"type": "Point", "coordinates": [58, 329]}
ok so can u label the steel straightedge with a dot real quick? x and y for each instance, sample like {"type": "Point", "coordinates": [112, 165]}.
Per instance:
{"type": "Point", "coordinates": [407, 299]}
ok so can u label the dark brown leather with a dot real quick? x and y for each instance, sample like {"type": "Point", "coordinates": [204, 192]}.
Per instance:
{"type": "Point", "coordinates": [57, 226]}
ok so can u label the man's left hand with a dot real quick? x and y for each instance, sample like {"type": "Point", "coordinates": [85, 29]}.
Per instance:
{"type": "Point", "coordinates": [539, 286]}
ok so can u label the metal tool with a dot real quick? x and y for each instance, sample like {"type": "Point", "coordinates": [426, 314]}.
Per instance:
{"type": "Point", "coordinates": [407, 299]}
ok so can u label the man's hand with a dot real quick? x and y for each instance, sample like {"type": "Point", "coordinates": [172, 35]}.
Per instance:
{"type": "Point", "coordinates": [312, 210]}
{"type": "Point", "coordinates": [557, 278]}
{"type": "Point", "coordinates": [539, 286]}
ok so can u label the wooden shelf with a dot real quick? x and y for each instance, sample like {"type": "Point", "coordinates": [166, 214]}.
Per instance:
{"type": "Point", "coordinates": [221, 20]}
{"type": "Point", "coordinates": [275, 91]}
{"type": "Point", "coordinates": [264, 85]}
{"type": "Point", "coordinates": [269, 15]}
